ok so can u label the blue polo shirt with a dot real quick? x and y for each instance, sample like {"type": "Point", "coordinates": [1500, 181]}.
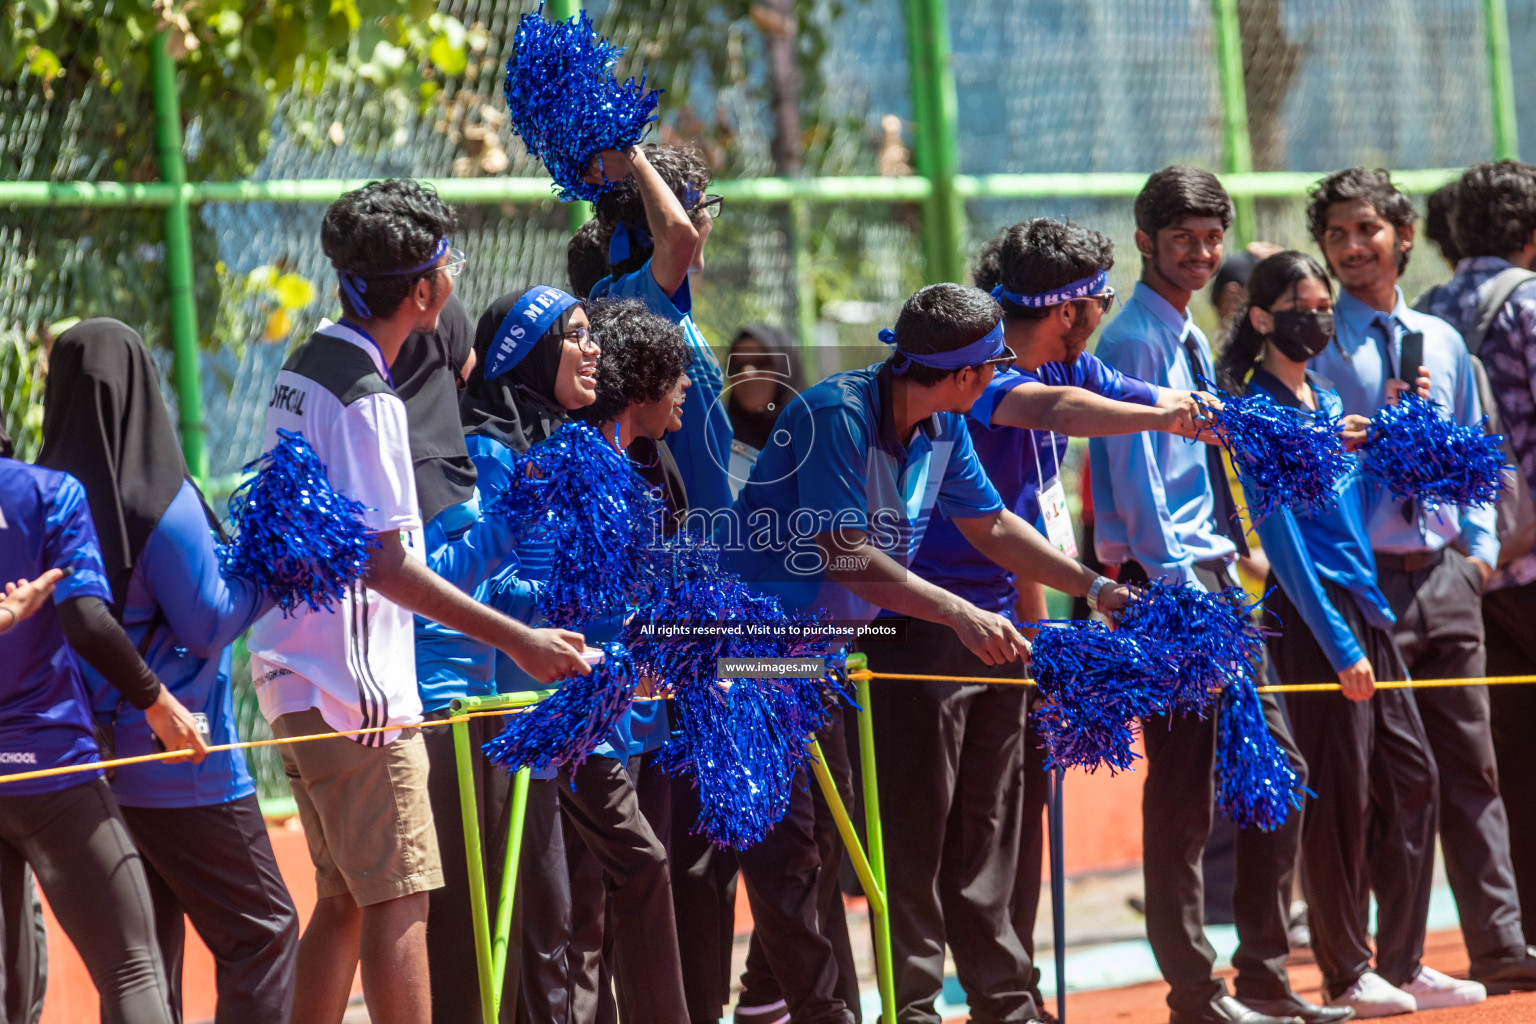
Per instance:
{"type": "Point", "coordinates": [946, 558]}
{"type": "Point", "coordinates": [845, 467]}
{"type": "Point", "coordinates": [1152, 497]}
{"type": "Point", "coordinates": [702, 447]}
{"type": "Point", "coordinates": [201, 614]}
{"type": "Point", "coordinates": [45, 716]}
{"type": "Point", "coordinates": [1359, 362]}
{"type": "Point", "coordinates": [1305, 548]}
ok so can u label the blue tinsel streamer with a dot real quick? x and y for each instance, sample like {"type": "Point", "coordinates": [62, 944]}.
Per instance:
{"type": "Point", "coordinates": [296, 538]}
{"type": "Point", "coordinates": [565, 102]}
{"type": "Point", "coordinates": [1284, 458]}
{"type": "Point", "coordinates": [1098, 683]}
{"type": "Point", "coordinates": [566, 727]}
{"type": "Point", "coordinates": [577, 493]}
{"type": "Point", "coordinates": [1210, 639]}
{"type": "Point", "coordinates": [1415, 452]}
{"type": "Point", "coordinates": [1255, 783]}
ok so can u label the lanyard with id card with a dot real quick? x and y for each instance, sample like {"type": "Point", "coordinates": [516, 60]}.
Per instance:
{"type": "Point", "coordinates": [1052, 498]}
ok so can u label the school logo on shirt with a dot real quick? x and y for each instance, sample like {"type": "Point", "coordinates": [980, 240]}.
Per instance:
{"type": "Point", "coordinates": [18, 757]}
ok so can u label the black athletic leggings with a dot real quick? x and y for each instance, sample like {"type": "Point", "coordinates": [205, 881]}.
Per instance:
{"type": "Point", "coordinates": [79, 849]}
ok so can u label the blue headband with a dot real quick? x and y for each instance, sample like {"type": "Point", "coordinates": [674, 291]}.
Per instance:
{"type": "Point", "coordinates": [989, 346]}
{"type": "Point", "coordinates": [528, 321]}
{"type": "Point", "coordinates": [626, 239]}
{"type": "Point", "coordinates": [354, 284]}
{"type": "Point", "coordinates": [1066, 293]}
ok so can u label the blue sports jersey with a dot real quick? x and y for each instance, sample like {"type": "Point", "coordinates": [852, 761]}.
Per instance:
{"type": "Point", "coordinates": [946, 558]}
{"type": "Point", "coordinates": [201, 614]}
{"type": "Point", "coordinates": [702, 447]}
{"type": "Point", "coordinates": [1305, 548]}
{"type": "Point", "coordinates": [844, 467]}
{"type": "Point", "coordinates": [45, 718]}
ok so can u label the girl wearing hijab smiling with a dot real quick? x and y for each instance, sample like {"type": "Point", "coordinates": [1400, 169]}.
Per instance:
{"type": "Point", "coordinates": [199, 826]}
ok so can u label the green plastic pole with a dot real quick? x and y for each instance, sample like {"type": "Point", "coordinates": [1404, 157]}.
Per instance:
{"type": "Point", "coordinates": [1236, 146]}
{"type": "Point", "coordinates": [178, 260]}
{"type": "Point", "coordinates": [508, 895]}
{"type": "Point", "coordinates": [919, 75]}
{"type": "Point", "coordinates": [479, 917]}
{"type": "Point", "coordinates": [872, 890]}
{"type": "Point", "coordinates": [1506, 134]}
{"type": "Point", "coordinates": [945, 111]}
{"type": "Point", "coordinates": [884, 967]}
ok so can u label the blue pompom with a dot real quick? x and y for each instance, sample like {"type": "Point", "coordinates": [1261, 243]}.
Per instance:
{"type": "Point", "coordinates": [578, 494]}
{"type": "Point", "coordinates": [1285, 458]}
{"type": "Point", "coordinates": [1415, 452]}
{"type": "Point", "coordinates": [565, 102]}
{"type": "Point", "coordinates": [1256, 786]}
{"type": "Point", "coordinates": [567, 726]}
{"type": "Point", "coordinates": [1211, 640]}
{"type": "Point", "coordinates": [296, 538]}
{"type": "Point", "coordinates": [1097, 683]}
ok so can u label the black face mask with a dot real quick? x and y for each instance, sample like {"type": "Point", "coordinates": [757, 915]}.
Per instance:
{"type": "Point", "coordinates": [1299, 336]}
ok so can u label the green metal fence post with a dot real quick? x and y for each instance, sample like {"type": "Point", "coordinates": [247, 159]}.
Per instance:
{"type": "Point", "coordinates": [469, 814]}
{"type": "Point", "coordinates": [935, 111]}
{"type": "Point", "coordinates": [178, 260]}
{"type": "Point", "coordinates": [579, 212]}
{"type": "Point", "coordinates": [1236, 146]}
{"type": "Point", "coordinates": [884, 965]}
{"type": "Point", "coordinates": [805, 275]}
{"type": "Point", "coordinates": [1501, 82]}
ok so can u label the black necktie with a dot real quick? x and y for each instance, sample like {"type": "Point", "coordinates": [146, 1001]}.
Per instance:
{"type": "Point", "coordinates": [1226, 509]}
{"type": "Point", "coordinates": [1387, 324]}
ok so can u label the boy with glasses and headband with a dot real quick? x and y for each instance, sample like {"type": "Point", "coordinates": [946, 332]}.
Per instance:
{"type": "Point", "coordinates": [354, 668]}
{"type": "Point", "coordinates": [1049, 278]}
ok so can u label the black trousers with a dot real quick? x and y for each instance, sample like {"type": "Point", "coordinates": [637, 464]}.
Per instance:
{"type": "Point", "coordinates": [1373, 817]}
{"type": "Point", "coordinates": [450, 923]}
{"type": "Point", "coordinates": [23, 941]}
{"type": "Point", "coordinates": [215, 866]}
{"type": "Point", "coordinates": [1177, 808]}
{"type": "Point", "coordinates": [600, 803]}
{"type": "Point", "coordinates": [93, 877]}
{"type": "Point", "coordinates": [548, 992]}
{"type": "Point", "coordinates": [1510, 638]}
{"type": "Point", "coordinates": [1440, 632]}
{"type": "Point", "coordinates": [1025, 906]}
{"type": "Point", "coordinates": [949, 758]}
{"type": "Point", "coordinates": [704, 893]}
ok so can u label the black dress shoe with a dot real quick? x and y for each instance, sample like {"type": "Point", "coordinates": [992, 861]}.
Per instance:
{"type": "Point", "coordinates": [1295, 1006]}
{"type": "Point", "coordinates": [1515, 972]}
{"type": "Point", "coordinates": [1227, 1010]}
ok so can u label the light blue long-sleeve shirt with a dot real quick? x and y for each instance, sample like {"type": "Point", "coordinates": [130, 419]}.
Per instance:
{"type": "Point", "coordinates": [1357, 364]}
{"type": "Point", "coordinates": [1305, 548]}
{"type": "Point", "coordinates": [1152, 495]}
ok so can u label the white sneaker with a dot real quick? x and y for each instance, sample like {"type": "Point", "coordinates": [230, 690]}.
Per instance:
{"type": "Point", "coordinates": [1432, 990]}
{"type": "Point", "coordinates": [1372, 996]}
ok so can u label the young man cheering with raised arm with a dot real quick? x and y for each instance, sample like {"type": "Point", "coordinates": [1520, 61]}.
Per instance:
{"type": "Point", "coordinates": [1163, 507]}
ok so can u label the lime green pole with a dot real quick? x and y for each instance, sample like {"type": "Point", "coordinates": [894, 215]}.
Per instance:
{"type": "Point", "coordinates": [488, 967]}
{"type": "Point", "coordinates": [1506, 135]}
{"type": "Point", "coordinates": [872, 889]}
{"type": "Point", "coordinates": [501, 937]}
{"type": "Point", "coordinates": [580, 211]}
{"type": "Point", "coordinates": [178, 260]}
{"type": "Point", "coordinates": [944, 110]}
{"type": "Point", "coordinates": [884, 968]}
{"type": "Point", "coordinates": [1236, 145]}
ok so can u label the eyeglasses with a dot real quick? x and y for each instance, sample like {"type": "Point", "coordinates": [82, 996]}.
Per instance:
{"type": "Point", "coordinates": [1008, 356]}
{"type": "Point", "coordinates": [1105, 299]}
{"type": "Point", "coordinates": [455, 264]}
{"type": "Point", "coordinates": [583, 337]}
{"type": "Point", "coordinates": [713, 205]}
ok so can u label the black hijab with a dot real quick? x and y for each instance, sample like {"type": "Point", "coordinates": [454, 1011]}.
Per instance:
{"type": "Point", "coordinates": [518, 408]}
{"type": "Point", "coordinates": [426, 375]}
{"type": "Point", "coordinates": [755, 428]}
{"type": "Point", "coordinates": [105, 422]}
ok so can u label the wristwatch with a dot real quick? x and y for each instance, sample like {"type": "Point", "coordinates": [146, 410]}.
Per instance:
{"type": "Point", "coordinates": [1093, 592]}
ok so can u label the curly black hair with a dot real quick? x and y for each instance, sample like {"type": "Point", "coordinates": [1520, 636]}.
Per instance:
{"type": "Point", "coordinates": [1038, 255]}
{"type": "Point", "coordinates": [941, 318]}
{"type": "Point", "coordinates": [685, 173]}
{"type": "Point", "coordinates": [382, 227]}
{"type": "Point", "coordinates": [643, 356]}
{"type": "Point", "coordinates": [586, 258]}
{"type": "Point", "coordinates": [1495, 209]}
{"type": "Point", "coordinates": [1373, 187]}
{"type": "Point", "coordinates": [1176, 192]}
{"type": "Point", "coordinates": [1439, 210]}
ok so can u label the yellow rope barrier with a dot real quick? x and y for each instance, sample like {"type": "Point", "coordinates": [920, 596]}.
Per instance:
{"type": "Point", "coordinates": [1398, 684]}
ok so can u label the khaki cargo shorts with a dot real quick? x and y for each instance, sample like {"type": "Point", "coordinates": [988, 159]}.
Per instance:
{"type": "Point", "coordinates": [364, 811]}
